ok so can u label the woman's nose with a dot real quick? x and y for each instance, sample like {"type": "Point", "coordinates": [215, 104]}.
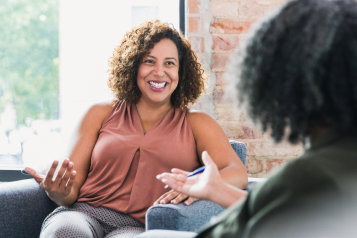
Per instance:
{"type": "Point", "coordinates": [159, 71]}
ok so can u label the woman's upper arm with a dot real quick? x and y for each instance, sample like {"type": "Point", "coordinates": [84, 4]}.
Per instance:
{"type": "Point", "coordinates": [210, 137]}
{"type": "Point", "coordinates": [83, 140]}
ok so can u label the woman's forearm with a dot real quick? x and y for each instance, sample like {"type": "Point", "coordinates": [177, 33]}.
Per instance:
{"type": "Point", "coordinates": [229, 189]}
{"type": "Point", "coordinates": [235, 176]}
{"type": "Point", "coordinates": [226, 195]}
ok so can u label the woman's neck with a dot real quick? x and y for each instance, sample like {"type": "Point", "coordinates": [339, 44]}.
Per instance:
{"type": "Point", "coordinates": [152, 111]}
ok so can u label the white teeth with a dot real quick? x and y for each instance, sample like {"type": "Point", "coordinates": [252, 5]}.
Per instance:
{"type": "Point", "coordinates": [157, 85]}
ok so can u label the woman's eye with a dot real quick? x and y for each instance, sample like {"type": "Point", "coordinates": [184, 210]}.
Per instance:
{"type": "Point", "coordinates": [149, 61]}
{"type": "Point", "coordinates": [170, 63]}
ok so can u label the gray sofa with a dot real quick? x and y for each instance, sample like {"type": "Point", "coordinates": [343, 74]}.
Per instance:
{"type": "Point", "coordinates": [24, 206]}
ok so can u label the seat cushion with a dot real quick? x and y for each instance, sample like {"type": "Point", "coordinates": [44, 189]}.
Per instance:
{"type": "Point", "coordinates": [181, 217]}
{"type": "Point", "coordinates": [23, 207]}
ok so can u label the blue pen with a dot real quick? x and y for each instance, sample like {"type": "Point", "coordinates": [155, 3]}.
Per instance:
{"type": "Point", "coordinates": [197, 171]}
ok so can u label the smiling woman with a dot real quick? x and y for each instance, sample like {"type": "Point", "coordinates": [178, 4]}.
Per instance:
{"type": "Point", "coordinates": [147, 130]}
{"type": "Point", "coordinates": [130, 53]}
{"type": "Point", "coordinates": [158, 74]}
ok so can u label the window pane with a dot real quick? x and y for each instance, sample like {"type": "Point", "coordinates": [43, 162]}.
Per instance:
{"type": "Point", "coordinates": [29, 67]}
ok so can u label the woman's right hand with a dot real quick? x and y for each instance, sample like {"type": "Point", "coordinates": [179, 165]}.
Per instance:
{"type": "Point", "coordinates": [199, 186]}
{"type": "Point", "coordinates": [61, 186]}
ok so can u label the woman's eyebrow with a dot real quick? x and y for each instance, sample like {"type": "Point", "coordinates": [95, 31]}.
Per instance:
{"type": "Point", "coordinates": [165, 58]}
{"type": "Point", "coordinates": [172, 58]}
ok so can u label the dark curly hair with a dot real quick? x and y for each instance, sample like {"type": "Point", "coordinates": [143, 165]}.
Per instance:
{"type": "Point", "coordinates": [299, 69]}
{"type": "Point", "coordinates": [136, 44]}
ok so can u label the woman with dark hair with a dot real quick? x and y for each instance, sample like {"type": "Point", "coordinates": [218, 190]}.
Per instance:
{"type": "Point", "coordinates": [298, 77]}
{"type": "Point", "coordinates": [147, 130]}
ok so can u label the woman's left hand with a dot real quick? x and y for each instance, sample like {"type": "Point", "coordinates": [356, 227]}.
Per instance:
{"type": "Point", "coordinates": [175, 197]}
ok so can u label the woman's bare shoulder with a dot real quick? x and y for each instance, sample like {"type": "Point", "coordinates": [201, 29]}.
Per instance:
{"type": "Point", "coordinates": [101, 109]}
{"type": "Point", "coordinates": [96, 113]}
{"type": "Point", "coordinates": [200, 118]}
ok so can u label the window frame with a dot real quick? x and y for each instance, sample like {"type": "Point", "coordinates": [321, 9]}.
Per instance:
{"type": "Point", "coordinates": [14, 174]}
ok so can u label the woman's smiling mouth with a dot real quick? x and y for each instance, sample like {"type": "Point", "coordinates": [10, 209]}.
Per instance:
{"type": "Point", "coordinates": [157, 85]}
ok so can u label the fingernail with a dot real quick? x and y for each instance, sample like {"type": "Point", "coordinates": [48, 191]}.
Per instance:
{"type": "Point", "coordinates": [73, 173]}
{"type": "Point", "coordinates": [158, 176]}
{"type": "Point", "coordinates": [65, 162]}
{"type": "Point", "coordinates": [172, 170]}
{"type": "Point", "coordinates": [70, 165]}
{"type": "Point", "coordinates": [163, 180]}
{"type": "Point", "coordinates": [55, 162]}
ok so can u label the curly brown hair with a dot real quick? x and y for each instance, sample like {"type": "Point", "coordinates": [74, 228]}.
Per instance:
{"type": "Point", "coordinates": [135, 45]}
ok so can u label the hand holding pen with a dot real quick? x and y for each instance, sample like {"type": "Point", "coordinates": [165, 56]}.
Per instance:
{"type": "Point", "coordinates": [197, 171]}
{"type": "Point", "coordinates": [195, 186]}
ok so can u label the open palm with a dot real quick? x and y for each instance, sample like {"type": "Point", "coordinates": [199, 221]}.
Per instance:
{"type": "Point", "coordinates": [198, 186]}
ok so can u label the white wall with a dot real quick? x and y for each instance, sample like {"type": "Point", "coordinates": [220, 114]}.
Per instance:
{"type": "Point", "coordinates": [89, 30]}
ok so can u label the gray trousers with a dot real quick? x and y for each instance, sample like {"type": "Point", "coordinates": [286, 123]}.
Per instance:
{"type": "Point", "coordinates": [84, 220]}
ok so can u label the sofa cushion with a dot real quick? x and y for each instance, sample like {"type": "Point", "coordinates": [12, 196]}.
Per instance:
{"type": "Point", "coordinates": [181, 217]}
{"type": "Point", "coordinates": [24, 206]}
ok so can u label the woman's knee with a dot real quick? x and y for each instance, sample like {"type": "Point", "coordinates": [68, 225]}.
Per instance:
{"type": "Point", "coordinates": [70, 224]}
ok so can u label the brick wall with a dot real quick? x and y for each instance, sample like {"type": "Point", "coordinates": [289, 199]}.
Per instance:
{"type": "Point", "coordinates": [215, 29]}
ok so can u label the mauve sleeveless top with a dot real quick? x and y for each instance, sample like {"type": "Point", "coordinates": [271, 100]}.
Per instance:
{"type": "Point", "coordinates": [125, 162]}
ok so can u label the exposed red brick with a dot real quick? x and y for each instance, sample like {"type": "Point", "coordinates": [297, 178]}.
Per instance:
{"type": "Point", "coordinates": [268, 2]}
{"type": "Point", "coordinates": [193, 6]}
{"type": "Point", "coordinates": [225, 42]}
{"type": "Point", "coordinates": [272, 164]}
{"type": "Point", "coordinates": [230, 26]}
{"type": "Point", "coordinates": [251, 10]}
{"type": "Point", "coordinates": [269, 148]}
{"type": "Point", "coordinates": [202, 44]}
{"type": "Point", "coordinates": [230, 114]}
{"type": "Point", "coordinates": [220, 60]}
{"type": "Point", "coordinates": [250, 133]}
{"type": "Point", "coordinates": [225, 9]}
{"type": "Point", "coordinates": [220, 97]}
{"type": "Point", "coordinates": [197, 44]}
{"type": "Point", "coordinates": [254, 166]}
{"type": "Point", "coordinates": [235, 130]}
{"type": "Point", "coordinates": [220, 78]}
{"type": "Point", "coordinates": [195, 24]}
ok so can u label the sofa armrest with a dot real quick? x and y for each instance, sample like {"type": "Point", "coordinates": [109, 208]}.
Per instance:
{"type": "Point", "coordinates": [181, 217]}
{"type": "Point", "coordinates": [24, 206]}
{"type": "Point", "coordinates": [240, 149]}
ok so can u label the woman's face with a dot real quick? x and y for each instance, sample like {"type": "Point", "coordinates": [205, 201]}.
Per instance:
{"type": "Point", "coordinates": [158, 73]}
